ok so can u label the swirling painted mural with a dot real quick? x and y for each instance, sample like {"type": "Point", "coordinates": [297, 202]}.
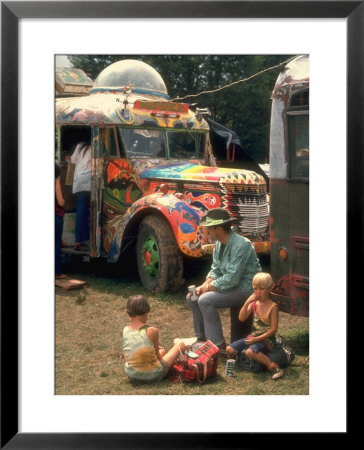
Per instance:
{"type": "Point", "coordinates": [120, 192]}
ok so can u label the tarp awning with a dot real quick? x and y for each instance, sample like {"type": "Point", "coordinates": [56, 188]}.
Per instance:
{"type": "Point", "coordinates": [222, 139]}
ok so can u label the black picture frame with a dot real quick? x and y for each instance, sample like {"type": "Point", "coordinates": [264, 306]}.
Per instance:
{"type": "Point", "coordinates": [11, 13]}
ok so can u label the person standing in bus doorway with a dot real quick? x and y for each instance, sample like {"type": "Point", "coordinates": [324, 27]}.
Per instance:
{"type": "Point", "coordinates": [59, 203]}
{"type": "Point", "coordinates": [81, 157]}
{"type": "Point", "coordinates": [229, 281]}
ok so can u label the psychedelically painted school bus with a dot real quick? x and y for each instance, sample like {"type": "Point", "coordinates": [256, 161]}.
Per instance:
{"type": "Point", "coordinates": [153, 176]}
{"type": "Point", "coordinates": [289, 188]}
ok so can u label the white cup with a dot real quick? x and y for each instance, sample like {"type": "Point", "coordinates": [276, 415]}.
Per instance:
{"type": "Point", "coordinates": [192, 291]}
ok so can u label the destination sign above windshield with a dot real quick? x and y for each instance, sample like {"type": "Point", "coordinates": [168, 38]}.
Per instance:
{"type": "Point", "coordinates": [168, 107]}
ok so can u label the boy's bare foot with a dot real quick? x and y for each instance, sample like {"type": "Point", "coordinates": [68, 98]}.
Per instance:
{"type": "Point", "coordinates": [277, 373]}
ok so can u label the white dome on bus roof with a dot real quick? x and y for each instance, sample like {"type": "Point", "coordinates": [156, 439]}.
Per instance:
{"type": "Point", "coordinates": [141, 76]}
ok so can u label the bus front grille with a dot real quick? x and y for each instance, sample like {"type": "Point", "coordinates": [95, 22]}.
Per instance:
{"type": "Point", "coordinates": [248, 205]}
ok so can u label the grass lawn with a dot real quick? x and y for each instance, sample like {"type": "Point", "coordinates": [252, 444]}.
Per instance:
{"type": "Point", "coordinates": [89, 325]}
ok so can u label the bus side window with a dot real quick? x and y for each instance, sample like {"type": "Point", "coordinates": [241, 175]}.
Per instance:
{"type": "Point", "coordinates": [110, 144]}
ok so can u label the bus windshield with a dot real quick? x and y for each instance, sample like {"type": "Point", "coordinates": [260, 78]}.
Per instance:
{"type": "Point", "coordinates": [159, 144]}
{"type": "Point", "coordinates": [185, 145]}
{"type": "Point", "coordinates": [143, 143]}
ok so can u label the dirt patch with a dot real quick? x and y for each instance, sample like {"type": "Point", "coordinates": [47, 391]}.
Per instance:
{"type": "Point", "coordinates": [89, 324]}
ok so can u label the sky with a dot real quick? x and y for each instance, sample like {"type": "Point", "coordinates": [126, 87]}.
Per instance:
{"type": "Point", "coordinates": [62, 61]}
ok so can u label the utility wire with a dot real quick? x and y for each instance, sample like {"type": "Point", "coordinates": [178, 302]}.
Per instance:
{"type": "Point", "coordinates": [235, 82]}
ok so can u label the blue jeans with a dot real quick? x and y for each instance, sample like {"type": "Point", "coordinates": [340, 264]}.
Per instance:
{"type": "Point", "coordinates": [206, 318]}
{"type": "Point", "coordinates": [58, 241]}
{"type": "Point", "coordinates": [82, 214]}
{"type": "Point", "coordinates": [240, 345]}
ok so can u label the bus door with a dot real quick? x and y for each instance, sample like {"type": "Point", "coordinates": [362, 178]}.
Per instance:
{"type": "Point", "coordinates": [117, 186]}
{"type": "Point", "coordinates": [96, 195]}
{"type": "Point", "coordinates": [289, 214]}
{"type": "Point", "coordinates": [68, 136]}
{"type": "Point", "coordinates": [298, 146]}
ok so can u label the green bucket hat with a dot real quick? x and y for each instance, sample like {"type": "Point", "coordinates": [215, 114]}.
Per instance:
{"type": "Point", "coordinates": [216, 217]}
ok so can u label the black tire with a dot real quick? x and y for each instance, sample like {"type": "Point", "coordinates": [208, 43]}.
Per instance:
{"type": "Point", "coordinates": [162, 269]}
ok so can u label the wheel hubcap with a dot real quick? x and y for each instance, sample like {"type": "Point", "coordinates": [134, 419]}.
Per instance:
{"type": "Point", "coordinates": [150, 257]}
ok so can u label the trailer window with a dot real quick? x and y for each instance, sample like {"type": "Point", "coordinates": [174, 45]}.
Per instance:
{"type": "Point", "coordinates": [298, 135]}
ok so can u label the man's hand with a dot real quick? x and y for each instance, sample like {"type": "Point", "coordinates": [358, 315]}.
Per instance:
{"type": "Point", "coordinates": [205, 287]}
{"type": "Point", "coordinates": [201, 289]}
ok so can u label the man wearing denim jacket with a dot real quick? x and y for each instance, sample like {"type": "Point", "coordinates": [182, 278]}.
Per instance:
{"type": "Point", "coordinates": [229, 281]}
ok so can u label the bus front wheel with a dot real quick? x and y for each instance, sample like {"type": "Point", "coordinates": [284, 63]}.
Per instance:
{"type": "Point", "coordinates": [160, 263]}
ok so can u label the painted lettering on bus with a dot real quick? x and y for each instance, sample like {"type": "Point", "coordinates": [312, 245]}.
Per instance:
{"type": "Point", "coordinates": [161, 106]}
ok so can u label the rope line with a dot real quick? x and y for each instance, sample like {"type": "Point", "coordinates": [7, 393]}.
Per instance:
{"type": "Point", "coordinates": [235, 82]}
